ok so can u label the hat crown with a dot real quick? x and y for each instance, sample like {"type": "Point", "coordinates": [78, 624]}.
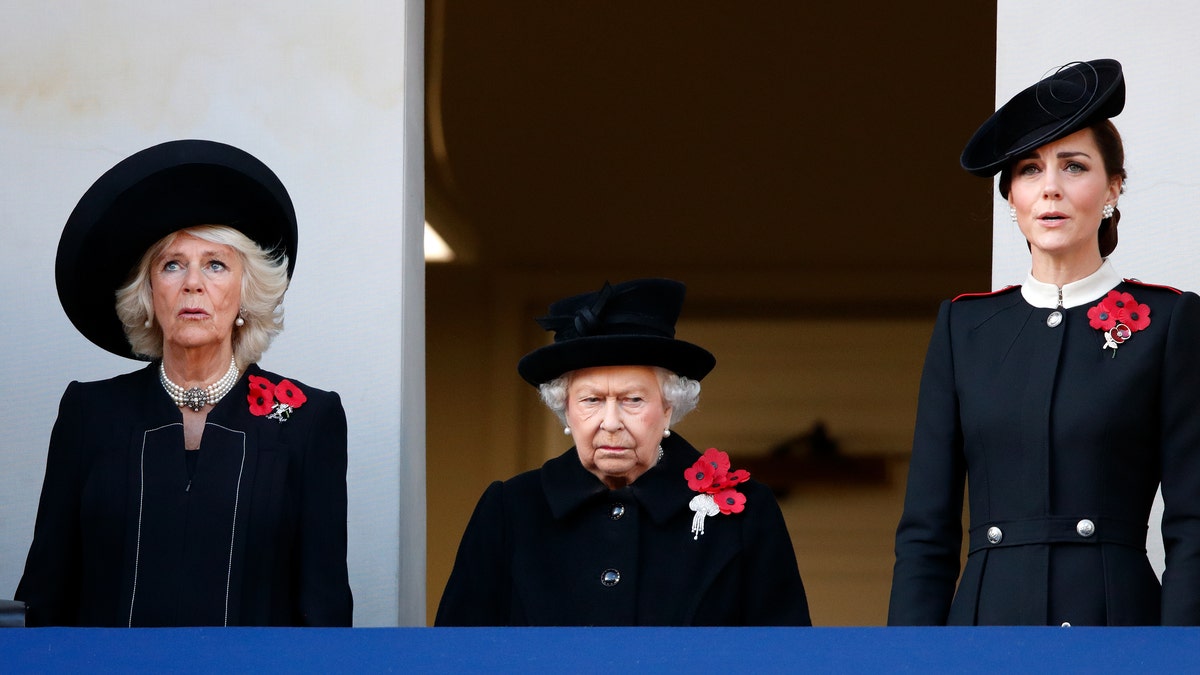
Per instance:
{"type": "Point", "coordinates": [641, 307]}
{"type": "Point", "coordinates": [626, 324]}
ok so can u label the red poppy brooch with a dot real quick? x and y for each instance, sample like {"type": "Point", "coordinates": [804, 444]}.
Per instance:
{"type": "Point", "coordinates": [711, 477]}
{"type": "Point", "coordinates": [274, 401]}
{"type": "Point", "coordinates": [1118, 316]}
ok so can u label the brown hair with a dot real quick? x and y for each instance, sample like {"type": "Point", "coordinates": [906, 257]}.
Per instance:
{"type": "Point", "coordinates": [1112, 153]}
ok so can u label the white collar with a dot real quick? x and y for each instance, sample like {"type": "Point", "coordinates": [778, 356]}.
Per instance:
{"type": "Point", "coordinates": [1087, 289]}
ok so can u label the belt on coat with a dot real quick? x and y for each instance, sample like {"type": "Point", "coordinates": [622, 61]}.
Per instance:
{"type": "Point", "coordinates": [1057, 530]}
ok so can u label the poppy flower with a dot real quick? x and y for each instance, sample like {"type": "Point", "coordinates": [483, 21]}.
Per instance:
{"type": "Point", "coordinates": [262, 402]}
{"type": "Point", "coordinates": [699, 476]}
{"type": "Point", "coordinates": [259, 383]}
{"type": "Point", "coordinates": [1103, 316]}
{"type": "Point", "coordinates": [719, 460]}
{"type": "Point", "coordinates": [730, 501]}
{"type": "Point", "coordinates": [1134, 314]}
{"type": "Point", "coordinates": [289, 394]}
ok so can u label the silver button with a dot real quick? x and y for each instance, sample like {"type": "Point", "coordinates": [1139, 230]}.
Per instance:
{"type": "Point", "coordinates": [1066, 624]}
{"type": "Point", "coordinates": [1085, 528]}
{"type": "Point", "coordinates": [618, 510]}
{"type": "Point", "coordinates": [995, 535]}
{"type": "Point", "coordinates": [610, 577]}
{"type": "Point", "coordinates": [1054, 319]}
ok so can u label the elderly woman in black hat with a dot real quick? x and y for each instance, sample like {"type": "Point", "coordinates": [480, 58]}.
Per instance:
{"type": "Point", "coordinates": [199, 490]}
{"type": "Point", "coordinates": [632, 526]}
{"type": "Point", "coordinates": [1062, 402]}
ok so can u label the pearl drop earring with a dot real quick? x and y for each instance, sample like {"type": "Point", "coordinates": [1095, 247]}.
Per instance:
{"type": "Point", "coordinates": [147, 324]}
{"type": "Point", "coordinates": [566, 431]}
{"type": "Point", "coordinates": [666, 433]}
{"type": "Point", "coordinates": [1012, 213]}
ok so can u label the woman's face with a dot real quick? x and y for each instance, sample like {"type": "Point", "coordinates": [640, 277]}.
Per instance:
{"type": "Point", "coordinates": [617, 417]}
{"type": "Point", "coordinates": [196, 286]}
{"type": "Point", "coordinates": [1059, 191]}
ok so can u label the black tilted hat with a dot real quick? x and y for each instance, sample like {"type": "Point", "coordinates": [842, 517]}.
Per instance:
{"type": "Point", "coordinates": [1076, 96]}
{"type": "Point", "coordinates": [627, 324]}
{"type": "Point", "coordinates": [147, 196]}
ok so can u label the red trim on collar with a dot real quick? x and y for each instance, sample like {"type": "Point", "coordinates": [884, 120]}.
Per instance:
{"type": "Point", "coordinates": [986, 294]}
{"type": "Point", "coordinates": [1142, 283]}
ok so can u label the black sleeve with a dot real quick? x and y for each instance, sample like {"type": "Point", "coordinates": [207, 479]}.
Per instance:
{"type": "Point", "coordinates": [50, 585]}
{"type": "Point", "coordinates": [929, 537]}
{"type": "Point", "coordinates": [479, 589]}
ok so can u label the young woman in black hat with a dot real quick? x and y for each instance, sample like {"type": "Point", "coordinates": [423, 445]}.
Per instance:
{"type": "Point", "coordinates": [1062, 403]}
{"type": "Point", "coordinates": [631, 526]}
{"type": "Point", "coordinates": [200, 490]}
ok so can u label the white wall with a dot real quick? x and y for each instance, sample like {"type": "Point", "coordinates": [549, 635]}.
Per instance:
{"type": "Point", "coordinates": [1156, 45]}
{"type": "Point", "coordinates": [328, 94]}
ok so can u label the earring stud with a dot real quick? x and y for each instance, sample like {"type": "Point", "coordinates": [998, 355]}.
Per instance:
{"type": "Point", "coordinates": [1108, 210]}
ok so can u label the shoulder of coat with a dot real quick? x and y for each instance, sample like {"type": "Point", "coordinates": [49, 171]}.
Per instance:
{"type": "Point", "coordinates": [988, 294]}
{"type": "Point", "coordinates": [1138, 282]}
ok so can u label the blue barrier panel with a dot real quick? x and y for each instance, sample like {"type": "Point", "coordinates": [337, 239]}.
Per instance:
{"type": "Point", "coordinates": [722, 651]}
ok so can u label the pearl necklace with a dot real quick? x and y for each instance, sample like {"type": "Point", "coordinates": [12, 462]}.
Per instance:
{"type": "Point", "coordinates": [196, 398]}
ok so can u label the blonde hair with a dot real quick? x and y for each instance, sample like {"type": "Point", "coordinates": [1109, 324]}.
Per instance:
{"type": "Point", "coordinates": [264, 281]}
{"type": "Point", "coordinates": [681, 394]}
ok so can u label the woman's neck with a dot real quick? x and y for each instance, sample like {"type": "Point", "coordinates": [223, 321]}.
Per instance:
{"type": "Point", "coordinates": [197, 367]}
{"type": "Point", "coordinates": [1060, 270]}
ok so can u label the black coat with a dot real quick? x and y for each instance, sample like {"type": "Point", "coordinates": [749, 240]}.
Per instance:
{"type": "Point", "coordinates": [537, 546]}
{"type": "Point", "coordinates": [255, 536]}
{"type": "Point", "coordinates": [1051, 429]}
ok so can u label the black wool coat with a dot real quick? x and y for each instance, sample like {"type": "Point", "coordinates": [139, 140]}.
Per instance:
{"type": "Point", "coordinates": [254, 536]}
{"type": "Point", "coordinates": [1051, 430]}
{"type": "Point", "coordinates": [538, 547]}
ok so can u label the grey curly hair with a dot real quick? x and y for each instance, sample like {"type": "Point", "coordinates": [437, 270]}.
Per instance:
{"type": "Point", "coordinates": [680, 393]}
{"type": "Point", "coordinates": [264, 281]}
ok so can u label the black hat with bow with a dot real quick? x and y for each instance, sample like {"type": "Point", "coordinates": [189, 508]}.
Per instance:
{"type": "Point", "coordinates": [627, 324]}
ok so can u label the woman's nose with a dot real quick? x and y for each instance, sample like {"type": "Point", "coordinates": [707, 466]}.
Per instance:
{"type": "Point", "coordinates": [612, 417]}
{"type": "Point", "coordinates": [1050, 189]}
{"type": "Point", "coordinates": [193, 281]}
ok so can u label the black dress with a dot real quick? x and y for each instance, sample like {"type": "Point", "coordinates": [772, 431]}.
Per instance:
{"type": "Point", "coordinates": [555, 547]}
{"type": "Point", "coordinates": [1063, 443]}
{"type": "Point", "coordinates": [126, 535]}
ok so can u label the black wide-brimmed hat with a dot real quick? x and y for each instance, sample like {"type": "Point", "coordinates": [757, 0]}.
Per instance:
{"type": "Point", "coordinates": [627, 324]}
{"type": "Point", "coordinates": [1074, 97]}
{"type": "Point", "coordinates": [144, 198]}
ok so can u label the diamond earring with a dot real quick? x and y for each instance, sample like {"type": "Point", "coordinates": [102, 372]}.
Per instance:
{"type": "Point", "coordinates": [1012, 213]}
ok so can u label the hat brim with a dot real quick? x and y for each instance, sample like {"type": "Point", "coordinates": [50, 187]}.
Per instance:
{"type": "Point", "coordinates": [680, 357]}
{"type": "Point", "coordinates": [144, 198]}
{"type": "Point", "coordinates": [993, 145]}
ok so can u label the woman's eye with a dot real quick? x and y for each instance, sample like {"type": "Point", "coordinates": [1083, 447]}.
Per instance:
{"type": "Point", "coordinates": [216, 266]}
{"type": "Point", "coordinates": [1028, 170]}
{"type": "Point", "coordinates": [172, 266]}
{"type": "Point", "coordinates": [1075, 167]}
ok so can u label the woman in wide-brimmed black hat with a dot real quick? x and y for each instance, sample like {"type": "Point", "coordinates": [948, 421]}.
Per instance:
{"type": "Point", "coordinates": [201, 489]}
{"type": "Point", "coordinates": [631, 526]}
{"type": "Point", "coordinates": [1062, 403]}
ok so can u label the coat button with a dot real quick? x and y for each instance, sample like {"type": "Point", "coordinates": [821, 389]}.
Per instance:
{"type": "Point", "coordinates": [995, 535]}
{"type": "Point", "coordinates": [610, 577]}
{"type": "Point", "coordinates": [1054, 319]}
{"type": "Point", "coordinates": [618, 510]}
{"type": "Point", "coordinates": [1085, 528]}
{"type": "Point", "coordinates": [1066, 624]}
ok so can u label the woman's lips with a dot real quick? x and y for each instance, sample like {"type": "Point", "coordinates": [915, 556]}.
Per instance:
{"type": "Point", "coordinates": [193, 314]}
